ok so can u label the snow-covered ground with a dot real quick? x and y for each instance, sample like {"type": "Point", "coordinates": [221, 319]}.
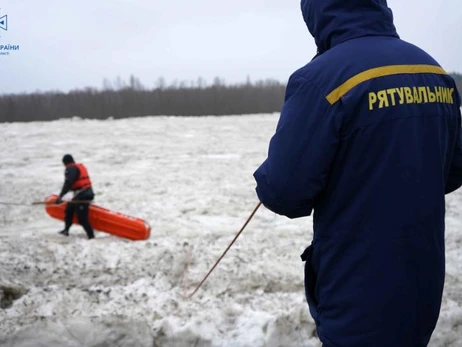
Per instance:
{"type": "Point", "coordinates": [191, 179]}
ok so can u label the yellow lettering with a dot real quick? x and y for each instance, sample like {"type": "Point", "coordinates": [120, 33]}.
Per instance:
{"type": "Point", "coordinates": [392, 92]}
{"type": "Point", "coordinates": [439, 96]}
{"type": "Point", "coordinates": [445, 94]}
{"type": "Point", "coordinates": [450, 99]}
{"type": "Point", "coordinates": [400, 92]}
{"type": "Point", "coordinates": [372, 100]}
{"type": "Point", "coordinates": [431, 96]}
{"type": "Point", "coordinates": [408, 93]}
{"type": "Point", "coordinates": [417, 98]}
{"type": "Point", "coordinates": [423, 94]}
{"type": "Point", "coordinates": [383, 100]}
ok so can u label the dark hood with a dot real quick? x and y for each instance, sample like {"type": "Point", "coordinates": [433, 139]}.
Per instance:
{"type": "Point", "coordinates": [68, 159]}
{"type": "Point", "coordinates": [334, 21]}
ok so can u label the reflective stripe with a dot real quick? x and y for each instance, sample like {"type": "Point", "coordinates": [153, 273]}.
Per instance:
{"type": "Point", "coordinates": [383, 71]}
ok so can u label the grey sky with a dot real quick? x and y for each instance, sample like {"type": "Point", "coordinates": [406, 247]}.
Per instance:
{"type": "Point", "coordinates": [72, 44]}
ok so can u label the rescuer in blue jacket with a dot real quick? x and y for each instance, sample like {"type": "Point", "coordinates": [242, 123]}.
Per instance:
{"type": "Point", "coordinates": [369, 138]}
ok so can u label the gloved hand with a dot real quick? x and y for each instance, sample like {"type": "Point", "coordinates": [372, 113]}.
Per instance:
{"type": "Point", "coordinates": [58, 200]}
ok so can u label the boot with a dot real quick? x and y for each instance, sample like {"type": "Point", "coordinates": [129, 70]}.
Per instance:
{"type": "Point", "coordinates": [64, 232]}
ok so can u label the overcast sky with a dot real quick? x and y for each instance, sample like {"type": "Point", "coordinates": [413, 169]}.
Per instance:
{"type": "Point", "coordinates": [72, 44]}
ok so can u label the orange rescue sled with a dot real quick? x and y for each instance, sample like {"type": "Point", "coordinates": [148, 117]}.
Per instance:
{"type": "Point", "coordinates": [101, 219]}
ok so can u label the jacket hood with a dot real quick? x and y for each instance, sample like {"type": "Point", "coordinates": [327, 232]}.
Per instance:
{"type": "Point", "coordinates": [68, 159]}
{"type": "Point", "coordinates": [334, 21]}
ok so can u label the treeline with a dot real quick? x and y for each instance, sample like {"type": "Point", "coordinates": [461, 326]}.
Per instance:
{"type": "Point", "coordinates": [458, 78]}
{"type": "Point", "coordinates": [120, 99]}
{"type": "Point", "coordinates": [123, 100]}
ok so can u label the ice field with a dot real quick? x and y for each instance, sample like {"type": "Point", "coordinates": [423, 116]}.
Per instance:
{"type": "Point", "coordinates": [191, 179]}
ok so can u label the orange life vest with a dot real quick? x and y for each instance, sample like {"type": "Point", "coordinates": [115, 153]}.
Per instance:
{"type": "Point", "coordinates": [83, 181]}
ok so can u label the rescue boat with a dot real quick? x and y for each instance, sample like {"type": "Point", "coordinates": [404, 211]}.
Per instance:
{"type": "Point", "coordinates": [104, 220]}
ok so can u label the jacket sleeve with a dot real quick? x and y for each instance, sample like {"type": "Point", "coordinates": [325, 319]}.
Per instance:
{"type": "Point", "coordinates": [70, 176]}
{"type": "Point", "coordinates": [300, 152]}
{"type": "Point", "coordinates": [454, 180]}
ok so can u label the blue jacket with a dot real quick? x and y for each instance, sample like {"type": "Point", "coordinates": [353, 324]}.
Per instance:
{"type": "Point", "coordinates": [369, 138]}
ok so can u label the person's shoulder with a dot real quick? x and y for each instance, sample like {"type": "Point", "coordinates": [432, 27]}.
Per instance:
{"type": "Point", "coordinates": [319, 73]}
{"type": "Point", "coordinates": [71, 169]}
{"type": "Point", "coordinates": [419, 52]}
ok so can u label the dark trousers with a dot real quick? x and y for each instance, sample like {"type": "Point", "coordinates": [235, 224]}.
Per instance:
{"type": "Point", "coordinates": [81, 210]}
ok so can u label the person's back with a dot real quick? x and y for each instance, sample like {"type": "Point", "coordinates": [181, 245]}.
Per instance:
{"type": "Point", "coordinates": [381, 214]}
{"type": "Point", "coordinates": [369, 137]}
